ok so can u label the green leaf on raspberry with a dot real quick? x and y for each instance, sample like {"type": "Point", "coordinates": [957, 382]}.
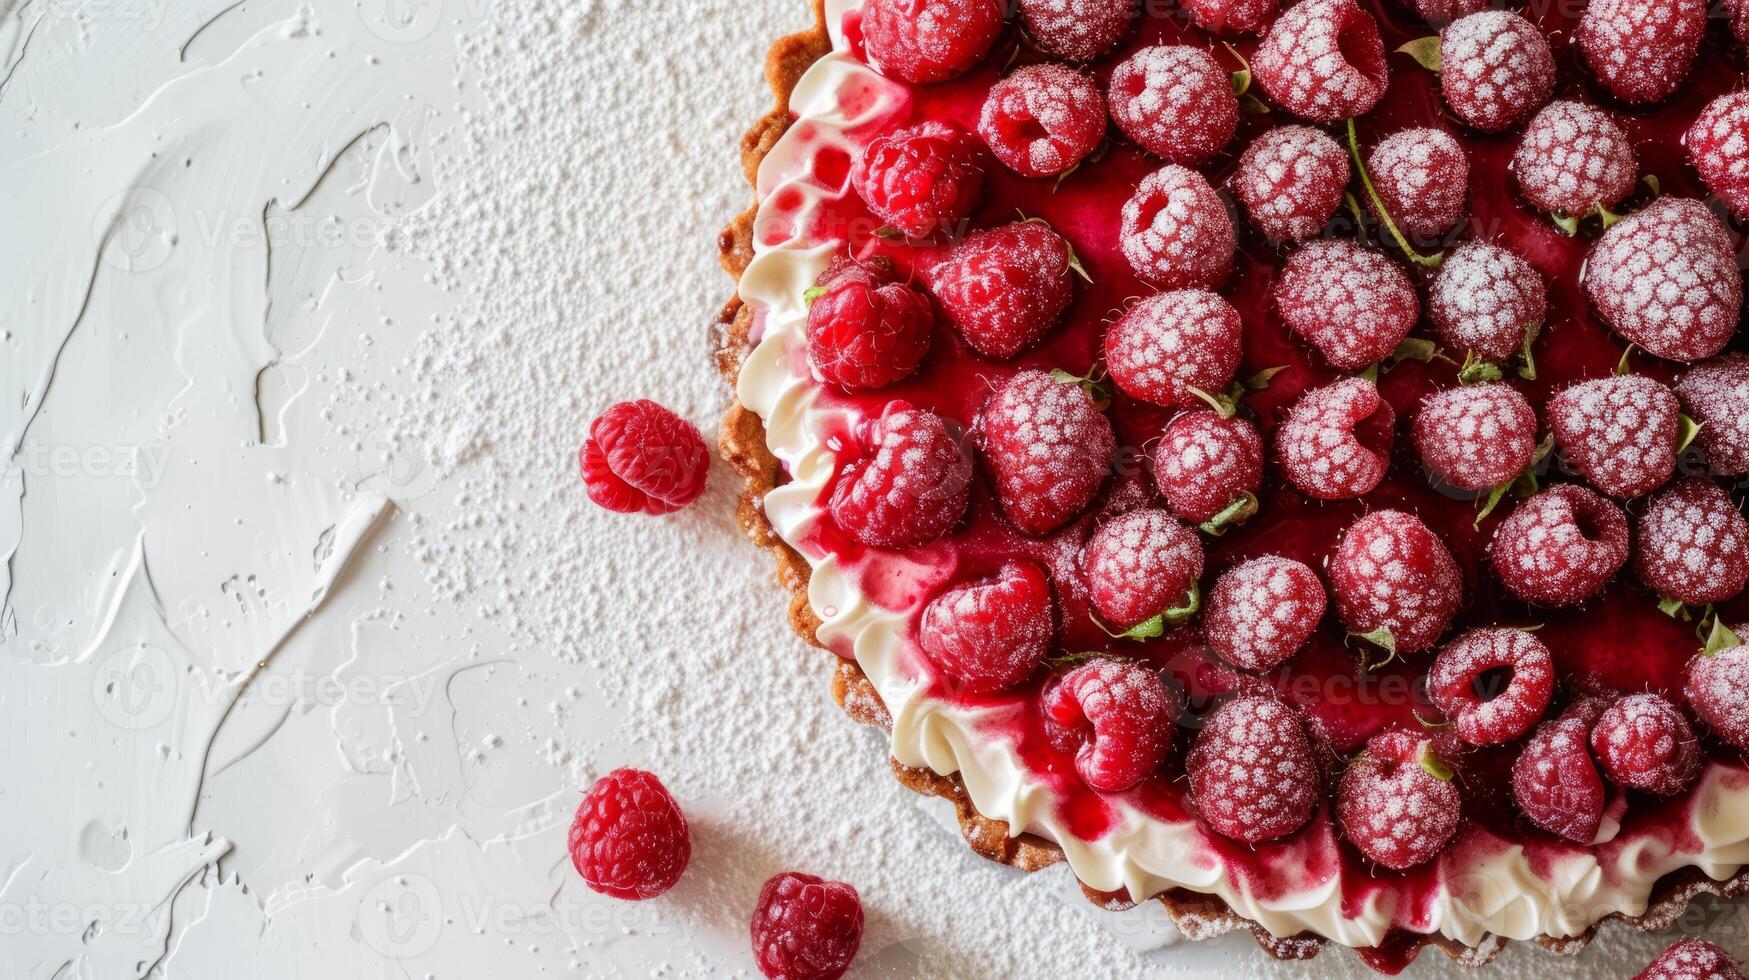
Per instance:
{"type": "Point", "coordinates": [1720, 638]}
{"type": "Point", "coordinates": [1622, 366]}
{"type": "Point", "coordinates": [1242, 77]}
{"type": "Point", "coordinates": [1424, 723]}
{"type": "Point", "coordinates": [1372, 193]}
{"type": "Point", "coordinates": [1382, 639]}
{"type": "Point", "coordinates": [1569, 226]}
{"type": "Point", "coordinates": [1224, 404]}
{"type": "Point", "coordinates": [1413, 349]}
{"type": "Point", "coordinates": [1262, 379]}
{"type": "Point", "coordinates": [1609, 217]}
{"type": "Point", "coordinates": [1674, 609]}
{"type": "Point", "coordinates": [1251, 105]}
{"type": "Point", "coordinates": [1237, 513]}
{"type": "Point", "coordinates": [1690, 430]}
{"type": "Point", "coordinates": [1651, 180]}
{"type": "Point", "coordinates": [1477, 371]}
{"type": "Point", "coordinates": [888, 231]}
{"type": "Point", "coordinates": [1146, 630]}
{"type": "Point", "coordinates": [813, 293]}
{"type": "Point", "coordinates": [1192, 603]}
{"type": "Point", "coordinates": [1425, 51]}
{"type": "Point", "coordinates": [1527, 370]}
{"type": "Point", "coordinates": [1434, 766]}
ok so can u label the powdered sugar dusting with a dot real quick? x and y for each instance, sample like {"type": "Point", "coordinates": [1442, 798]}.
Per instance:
{"type": "Point", "coordinates": [1486, 300]}
{"type": "Point", "coordinates": [1170, 343]}
{"type": "Point", "coordinates": [1476, 436]}
{"type": "Point", "coordinates": [1574, 159]}
{"type": "Point", "coordinates": [1392, 808]}
{"type": "Point", "coordinates": [1351, 302]}
{"type": "Point", "coordinates": [1251, 771]}
{"type": "Point", "coordinates": [1666, 278]}
{"type": "Point", "coordinates": [1643, 742]}
{"type": "Point", "coordinates": [1642, 49]}
{"type": "Point", "coordinates": [1561, 546]}
{"type": "Point", "coordinates": [1323, 60]}
{"type": "Point", "coordinates": [1423, 177]}
{"type": "Point", "coordinates": [1322, 451]}
{"type": "Point", "coordinates": [1391, 573]}
{"type": "Point", "coordinates": [1262, 612]}
{"type": "Point", "coordinates": [1718, 690]}
{"type": "Point", "coordinates": [1692, 959]}
{"type": "Point", "coordinates": [1495, 69]}
{"type": "Point", "coordinates": [1291, 179]}
{"type": "Point", "coordinates": [1716, 394]}
{"type": "Point", "coordinates": [1048, 448]}
{"type": "Point", "coordinates": [1076, 30]}
{"type": "Point", "coordinates": [1176, 231]}
{"type": "Point", "coordinates": [1118, 718]}
{"type": "Point", "coordinates": [1204, 463]}
{"type": "Point", "coordinates": [1176, 102]}
{"type": "Point", "coordinates": [1141, 564]}
{"type": "Point", "coordinates": [1691, 543]}
{"type": "Point", "coordinates": [1620, 432]}
{"type": "Point", "coordinates": [1718, 145]}
{"type": "Point", "coordinates": [1043, 119]}
{"type": "Point", "coordinates": [1495, 715]}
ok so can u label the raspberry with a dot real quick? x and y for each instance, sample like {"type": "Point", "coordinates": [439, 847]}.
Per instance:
{"type": "Point", "coordinates": [1642, 742]}
{"type": "Point", "coordinates": [1496, 69]}
{"type": "Point", "coordinates": [1442, 11]}
{"type": "Point", "coordinates": [806, 928]}
{"type": "Point", "coordinates": [1230, 16]}
{"type": "Point", "coordinates": [1205, 464]}
{"type": "Point", "coordinates": [1574, 159]}
{"type": "Point", "coordinates": [1738, 11]}
{"type": "Point", "coordinates": [1117, 717]}
{"type": "Point", "coordinates": [911, 489]}
{"type": "Point", "coordinates": [640, 457]}
{"type": "Point", "coordinates": [1692, 959]}
{"type": "Point", "coordinates": [1641, 50]}
{"type": "Point", "coordinates": [866, 331]}
{"type": "Point", "coordinates": [1561, 546]}
{"type": "Point", "coordinates": [1477, 436]}
{"type": "Point", "coordinates": [1336, 442]}
{"type": "Point", "coordinates": [1176, 102]}
{"type": "Point", "coordinates": [1291, 180]}
{"type": "Point", "coordinates": [1620, 432]}
{"type": "Point", "coordinates": [1351, 302]}
{"type": "Point", "coordinates": [629, 839]}
{"type": "Point", "coordinates": [1395, 583]}
{"type": "Point", "coordinates": [1555, 782]}
{"type": "Point", "coordinates": [1717, 395]}
{"type": "Point", "coordinates": [1423, 177]}
{"type": "Point", "coordinates": [1176, 232]}
{"type": "Point", "coordinates": [1717, 688]}
{"type": "Point", "coordinates": [1323, 60]}
{"type": "Point", "coordinates": [1252, 775]}
{"type": "Point", "coordinates": [1692, 545]}
{"type": "Point", "coordinates": [1486, 301]}
{"type": "Point", "coordinates": [991, 634]}
{"type": "Point", "coordinates": [1720, 151]}
{"type": "Point", "coordinates": [926, 41]}
{"type": "Point", "coordinates": [1005, 287]}
{"type": "Point", "coordinates": [1666, 278]}
{"type": "Point", "coordinates": [921, 179]}
{"type": "Point", "coordinates": [1076, 30]}
{"type": "Point", "coordinates": [1170, 343]}
{"type": "Point", "coordinates": [1493, 684]}
{"type": "Point", "coordinates": [1141, 565]}
{"type": "Point", "coordinates": [1043, 120]}
{"type": "Point", "coordinates": [1048, 448]}
{"type": "Point", "coordinates": [1392, 806]}
{"type": "Point", "coordinates": [1262, 612]}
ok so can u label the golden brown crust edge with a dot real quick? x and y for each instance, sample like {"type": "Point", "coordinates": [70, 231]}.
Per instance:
{"type": "Point", "coordinates": [741, 442]}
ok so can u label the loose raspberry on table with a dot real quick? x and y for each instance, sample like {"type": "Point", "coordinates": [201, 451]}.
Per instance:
{"type": "Point", "coordinates": [1141, 566]}
{"type": "Point", "coordinates": [1641, 50]}
{"type": "Point", "coordinates": [1043, 120]}
{"type": "Point", "coordinates": [1336, 442]}
{"type": "Point", "coordinates": [1076, 30]}
{"type": "Point", "coordinates": [1556, 783]}
{"type": "Point", "coordinates": [1117, 717]}
{"type": "Point", "coordinates": [929, 40]}
{"type": "Point", "coordinates": [806, 928]}
{"type": "Point", "coordinates": [1170, 343]}
{"type": "Point", "coordinates": [1291, 180]}
{"type": "Point", "coordinates": [1496, 69]}
{"type": "Point", "coordinates": [1494, 684]}
{"type": "Point", "coordinates": [1263, 612]}
{"type": "Point", "coordinates": [1176, 102]}
{"type": "Point", "coordinates": [1476, 436]}
{"type": "Point", "coordinates": [1717, 688]}
{"type": "Point", "coordinates": [1395, 583]}
{"type": "Point", "coordinates": [1230, 16]}
{"type": "Point", "coordinates": [1574, 159]}
{"type": "Point", "coordinates": [993, 633]}
{"type": "Point", "coordinates": [1047, 447]}
{"type": "Point", "coordinates": [1716, 393]}
{"type": "Point", "coordinates": [921, 179]}
{"type": "Point", "coordinates": [1004, 288]}
{"type": "Point", "coordinates": [1692, 959]}
{"type": "Point", "coordinates": [866, 330]}
{"type": "Point", "coordinates": [1423, 178]}
{"type": "Point", "coordinates": [1176, 232]}
{"type": "Point", "coordinates": [1486, 301]}
{"type": "Point", "coordinates": [910, 488]}
{"type": "Point", "coordinates": [1351, 302]}
{"type": "Point", "coordinates": [1643, 742]}
{"type": "Point", "coordinates": [629, 839]}
{"type": "Point", "coordinates": [1692, 543]}
{"type": "Point", "coordinates": [1619, 432]}
{"type": "Point", "coordinates": [1561, 546]}
{"type": "Point", "coordinates": [1205, 464]}
{"type": "Point", "coordinates": [1252, 774]}
{"type": "Point", "coordinates": [642, 458]}
{"type": "Point", "coordinates": [1666, 278]}
{"type": "Point", "coordinates": [1718, 146]}
{"type": "Point", "coordinates": [1323, 60]}
{"type": "Point", "coordinates": [1397, 802]}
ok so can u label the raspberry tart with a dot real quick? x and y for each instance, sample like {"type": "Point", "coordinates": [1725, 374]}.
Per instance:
{"type": "Point", "coordinates": [1274, 458]}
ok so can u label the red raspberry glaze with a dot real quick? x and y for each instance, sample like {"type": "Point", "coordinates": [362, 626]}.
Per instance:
{"type": "Point", "coordinates": [806, 928]}
{"type": "Point", "coordinates": [629, 839]}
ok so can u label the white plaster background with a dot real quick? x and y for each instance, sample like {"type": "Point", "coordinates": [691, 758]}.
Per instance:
{"type": "Point", "coordinates": [310, 638]}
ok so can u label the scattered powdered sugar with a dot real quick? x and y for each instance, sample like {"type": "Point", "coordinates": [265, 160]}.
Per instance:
{"type": "Point", "coordinates": [1498, 715]}
{"type": "Point", "coordinates": [1076, 30]}
{"type": "Point", "coordinates": [1561, 546]}
{"type": "Point", "coordinates": [1176, 232]}
{"type": "Point", "coordinates": [1391, 573]}
{"type": "Point", "coordinates": [1716, 393]}
{"type": "Point", "coordinates": [1666, 278]}
{"type": "Point", "coordinates": [1476, 436]}
{"type": "Point", "coordinates": [1141, 564]}
{"type": "Point", "coordinates": [1642, 49]}
{"type": "Point", "coordinates": [1495, 69]}
{"type": "Point", "coordinates": [1176, 102]}
{"type": "Point", "coordinates": [1718, 144]}
{"type": "Point", "coordinates": [1486, 301]}
{"type": "Point", "coordinates": [1043, 119]}
{"type": "Point", "coordinates": [1423, 177]}
{"type": "Point", "coordinates": [1620, 432]}
{"type": "Point", "coordinates": [1351, 302]}
{"type": "Point", "coordinates": [1204, 463]}
{"type": "Point", "coordinates": [1171, 342]}
{"type": "Point", "coordinates": [1262, 612]}
{"type": "Point", "coordinates": [1291, 180]}
{"type": "Point", "coordinates": [1574, 159]}
{"type": "Point", "coordinates": [1336, 441]}
{"type": "Point", "coordinates": [1692, 544]}
{"type": "Point", "coordinates": [1323, 60]}
{"type": "Point", "coordinates": [1251, 771]}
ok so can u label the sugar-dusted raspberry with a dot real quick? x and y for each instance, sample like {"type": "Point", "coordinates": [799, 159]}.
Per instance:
{"type": "Point", "coordinates": [1738, 12]}
{"type": "Point", "coordinates": [1351, 302]}
{"type": "Point", "coordinates": [1423, 178]}
{"type": "Point", "coordinates": [1170, 343]}
{"type": "Point", "coordinates": [1043, 120]}
{"type": "Point", "coordinates": [921, 179]}
{"type": "Point", "coordinates": [910, 487]}
{"type": "Point", "coordinates": [1561, 546]}
{"type": "Point", "coordinates": [1005, 287]}
{"type": "Point", "coordinates": [1176, 232]}
{"type": "Point", "coordinates": [629, 839]}
{"type": "Point", "coordinates": [1118, 718]}
{"type": "Point", "coordinates": [1262, 612]}
{"type": "Point", "coordinates": [1476, 436]}
{"type": "Point", "coordinates": [1443, 11]}
{"type": "Point", "coordinates": [865, 330]}
{"type": "Point", "coordinates": [1486, 300]}
{"type": "Point", "coordinates": [1666, 278]}
{"type": "Point", "coordinates": [1048, 448]}
{"type": "Point", "coordinates": [1718, 146]}
{"type": "Point", "coordinates": [1076, 30]}
{"type": "Point", "coordinates": [1556, 783]}
{"type": "Point", "coordinates": [1620, 432]}
{"type": "Point", "coordinates": [1716, 393]}
{"type": "Point", "coordinates": [1643, 742]}
{"type": "Point", "coordinates": [1176, 102]}
{"type": "Point", "coordinates": [1494, 684]}
{"type": "Point", "coordinates": [1692, 543]}
{"type": "Point", "coordinates": [1395, 582]}
{"type": "Point", "coordinates": [642, 458]}
{"type": "Point", "coordinates": [1230, 16]}
{"type": "Point", "coordinates": [1495, 69]}
{"type": "Point", "coordinates": [1141, 565]}
{"type": "Point", "coordinates": [1397, 802]}
{"type": "Point", "coordinates": [1573, 159]}
{"type": "Point", "coordinates": [992, 633]}
{"type": "Point", "coordinates": [1641, 50]}
{"type": "Point", "coordinates": [1252, 774]}
{"type": "Point", "coordinates": [929, 40]}
{"type": "Point", "coordinates": [1717, 689]}
{"type": "Point", "coordinates": [1692, 959]}
{"type": "Point", "coordinates": [806, 928]}
{"type": "Point", "coordinates": [1336, 442]}
{"type": "Point", "coordinates": [1323, 60]}
{"type": "Point", "coordinates": [1205, 464]}
{"type": "Point", "coordinates": [1291, 180]}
